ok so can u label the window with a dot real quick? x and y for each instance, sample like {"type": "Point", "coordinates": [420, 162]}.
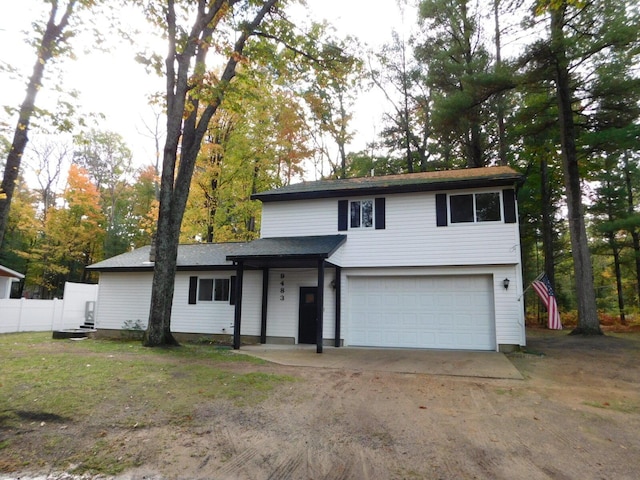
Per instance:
{"type": "Point", "coordinates": [211, 289]}
{"type": "Point", "coordinates": [361, 213]}
{"type": "Point", "coordinates": [461, 208]}
{"type": "Point", "coordinates": [205, 290]}
{"type": "Point", "coordinates": [479, 207]}
{"type": "Point", "coordinates": [221, 289]}
{"type": "Point", "coordinates": [487, 207]}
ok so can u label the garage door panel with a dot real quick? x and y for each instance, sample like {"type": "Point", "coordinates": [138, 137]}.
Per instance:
{"type": "Point", "coordinates": [450, 312]}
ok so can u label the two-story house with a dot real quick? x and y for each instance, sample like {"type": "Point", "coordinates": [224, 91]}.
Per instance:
{"type": "Point", "coordinates": [423, 260]}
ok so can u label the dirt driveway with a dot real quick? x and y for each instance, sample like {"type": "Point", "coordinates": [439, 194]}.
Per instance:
{"type": "Point", "coordinates": [576, 415]}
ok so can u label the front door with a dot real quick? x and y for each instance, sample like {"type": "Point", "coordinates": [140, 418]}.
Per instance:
{"type": "Point", "coordinates": [307, 323]}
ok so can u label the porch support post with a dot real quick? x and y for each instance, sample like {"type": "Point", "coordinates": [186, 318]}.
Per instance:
{"type": "Point", "coordinates": [238, 310]}
{"type": "Point", "coordinates": [338, 284]}
{"type": "Point", "coordinates": [265, 293]}
{"type": "Point", "coordinates": [320, 305]}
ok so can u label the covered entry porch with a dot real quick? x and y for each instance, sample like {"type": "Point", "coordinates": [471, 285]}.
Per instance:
{"type": "Point", "coordinates": [265, 254]}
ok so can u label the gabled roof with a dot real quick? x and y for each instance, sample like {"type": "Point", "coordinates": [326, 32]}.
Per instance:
{"type": "Point", "coordinates": [7, 272]}
{"type": "Point", "coordinates": [409, 182]}
{"type": "Point", "coordinates": [202, 256]}
{"type": "Point", "coordinates": [288, 251]}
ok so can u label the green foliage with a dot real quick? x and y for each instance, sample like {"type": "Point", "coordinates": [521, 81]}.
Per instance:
{"type": "Point", "coordinates": [461, 79]}
{"type": "Point", "coordinates": [132, 329]}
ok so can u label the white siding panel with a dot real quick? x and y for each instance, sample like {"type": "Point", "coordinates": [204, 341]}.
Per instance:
{"type": "Point", "coordinates": [122, 297]}
{"type": "Point", "coordinates": [282, 316]}
{"type": "Point", "coordinates": [510, 328]}
{"type": "Point", "coordinates": [411, 237]}
{"type": "Point", "coordinates": [127, 296]}
{"type": "Point", "coordinates": [299, 218]}
{"type": "Point", "coordinates": [217, 317]}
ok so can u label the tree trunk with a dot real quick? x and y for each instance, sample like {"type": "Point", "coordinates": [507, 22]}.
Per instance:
{"type": "Point", "coordinates": [588, 323]}
{"type": "Point", "coordinates": [547, 227]}
{"type": "Point", "coordinates": [405, 111]}
{"type": "Point", "coordinates": [188, 134]}
{"type": "Point", "coordinates": [635, 237]}
{"type": "Point", "coordinates": [616, 263]}
{"type": "Point", "coordinates": [502, 143]}
{"type": "Point", "coordinates": [50, 37]}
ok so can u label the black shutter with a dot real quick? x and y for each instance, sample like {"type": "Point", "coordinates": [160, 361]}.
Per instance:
{"type": "Point", "coordinates": [232, 291]}
{"type": "Point", "coordinates": [193, 289]}
{"type": "Point", "coordinates": [343, 215]}
{"type": "Point", "coordinates": [441, 209]}
{"type": "Point", "coordinates": [509, 201]}
{"type": "Point", "coordinates": [380, 213]}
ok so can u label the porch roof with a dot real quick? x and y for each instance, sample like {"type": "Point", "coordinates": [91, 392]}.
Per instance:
{"type": "Point", "coordinates": [287, 251]}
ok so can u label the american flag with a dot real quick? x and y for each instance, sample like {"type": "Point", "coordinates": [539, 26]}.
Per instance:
{"type": "Point", "coordinates": [543, 288]}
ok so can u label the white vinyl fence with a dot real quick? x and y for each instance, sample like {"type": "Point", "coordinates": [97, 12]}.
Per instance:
{"type": "Point", "coordinates": [29, 315]}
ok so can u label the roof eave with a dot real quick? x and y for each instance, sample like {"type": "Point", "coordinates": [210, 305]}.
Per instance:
{"type": "Point", "coordinates": [149, 268]}
{"type": "Point", "coordinates": [501, 181]}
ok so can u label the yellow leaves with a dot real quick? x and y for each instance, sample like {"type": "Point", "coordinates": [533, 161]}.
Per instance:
{"type": "Point", "coordinates": [237, 57]}
{"type": "Point", "coordinates": [545, 6]}
{"type": "Point", "coordinates": [22, 126]}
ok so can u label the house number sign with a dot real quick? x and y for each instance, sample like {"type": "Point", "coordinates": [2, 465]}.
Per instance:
{"type": "Point", "coordinates": [282, 287]}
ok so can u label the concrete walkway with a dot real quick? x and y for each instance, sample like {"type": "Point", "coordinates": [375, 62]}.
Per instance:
{"type": "Point", "coordinates": [430, 362]}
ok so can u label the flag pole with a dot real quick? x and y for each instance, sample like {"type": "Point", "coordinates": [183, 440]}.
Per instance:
{"type": "Point", "coordinates": [525, 290]}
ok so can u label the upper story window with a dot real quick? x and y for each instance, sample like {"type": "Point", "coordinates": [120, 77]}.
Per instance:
{"type": "Point", "coordinates": [367, 213]}
{"type": "Point", "coordinates": [475, 207]}
{"type": "Point", "coordinates": [361, 213]}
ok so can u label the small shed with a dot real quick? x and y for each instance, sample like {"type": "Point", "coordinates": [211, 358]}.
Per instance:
{"type": "Point", "coordinates": [7, 277]}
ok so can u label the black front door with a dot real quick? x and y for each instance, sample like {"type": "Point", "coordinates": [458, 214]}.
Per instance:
{"type": "Point", "coordinates": [307, 323]}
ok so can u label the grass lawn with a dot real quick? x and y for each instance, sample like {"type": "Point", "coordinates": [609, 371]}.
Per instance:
{"type": "Point", "coordinates": [114, 384]}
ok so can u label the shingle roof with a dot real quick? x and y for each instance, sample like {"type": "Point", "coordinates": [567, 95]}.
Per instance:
{"type": "Point", "coordinates": [190, 257]}
{"type": "Point", "coordinates": [288, 251]}
{"type": "Point", "coordinates": [313, 246]}
{"type": "Point", "coordinates": [207, 256]}
{"type": "Point", "coordinates": [410, 182]}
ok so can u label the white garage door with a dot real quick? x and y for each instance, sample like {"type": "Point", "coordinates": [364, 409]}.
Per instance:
{"type": "Point", "coordinates": [448, 312]}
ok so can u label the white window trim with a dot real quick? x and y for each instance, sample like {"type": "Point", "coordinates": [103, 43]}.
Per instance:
{"type": "Point", "coordinates": [213, 290]}
{"type": "Point", "coordinates": [373, 214]}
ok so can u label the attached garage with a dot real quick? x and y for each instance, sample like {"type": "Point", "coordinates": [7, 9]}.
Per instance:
{"type": "Point", "coordinates": [440, 312]}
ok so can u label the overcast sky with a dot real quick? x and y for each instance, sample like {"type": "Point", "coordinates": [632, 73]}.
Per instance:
{"type": "Point", "coordinates": [115, 85]}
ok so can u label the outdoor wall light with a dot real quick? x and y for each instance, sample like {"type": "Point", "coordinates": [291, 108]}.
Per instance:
{"type": "Point", "coordinates": [505, 283]}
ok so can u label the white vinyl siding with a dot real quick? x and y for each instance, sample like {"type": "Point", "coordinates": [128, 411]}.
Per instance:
{"type": "Point", "coordinates": [123, 297]}
{"type": "Point", "coordinates": [411, 237]}
{"type": "Point", "coordinates": [299, 218]}
{"type": "Point", "coordinates": [127, 296]}
{"type": "Point", "coordinates": [283, 314]}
